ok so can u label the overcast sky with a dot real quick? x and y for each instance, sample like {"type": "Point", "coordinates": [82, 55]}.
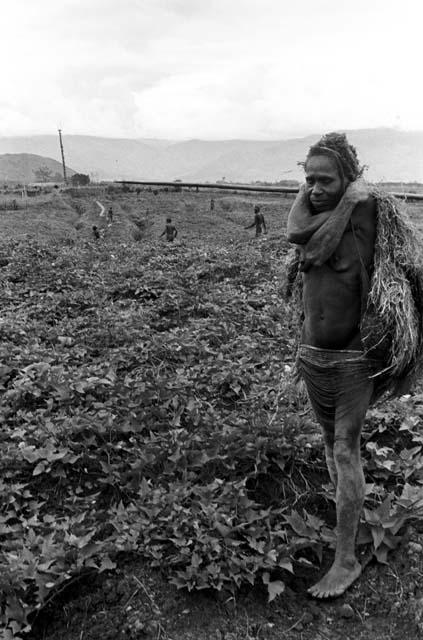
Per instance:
{"type": "Point", "coordinates": [211, 69]}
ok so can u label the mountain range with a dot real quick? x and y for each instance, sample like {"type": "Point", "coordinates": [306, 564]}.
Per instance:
{"type": "Point", "coordinates": [23, 167]}
{"type": "Point", "coordinates": [390, 154]}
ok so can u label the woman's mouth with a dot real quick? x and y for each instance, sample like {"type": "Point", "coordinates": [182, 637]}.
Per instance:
{"type": "Point", "coordinates": [319, 202]}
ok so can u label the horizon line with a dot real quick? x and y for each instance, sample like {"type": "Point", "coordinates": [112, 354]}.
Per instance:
{"type": "Point", "coordinates": [218, 139]}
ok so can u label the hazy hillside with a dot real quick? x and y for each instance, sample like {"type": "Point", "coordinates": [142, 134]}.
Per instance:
{"type": "Point", "coordinates": [102, 158]}
{"type": "Point", "coordinates": [20, 167]}
{"type": "Point", "coordinates": [390, 154]}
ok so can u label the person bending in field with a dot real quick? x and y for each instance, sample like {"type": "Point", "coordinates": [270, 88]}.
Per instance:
{"type": "Point", "coordinates": [170, 231]}
{"type": "Point", "coordinates": [259, 222]}
{"type": "Point", "coordinates": [96, 233]}
{"type": "Point", "coordinates": [357, 252]}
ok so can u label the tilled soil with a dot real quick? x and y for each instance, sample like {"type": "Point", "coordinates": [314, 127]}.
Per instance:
{"type": "Point", "coordinates": [136, 602]}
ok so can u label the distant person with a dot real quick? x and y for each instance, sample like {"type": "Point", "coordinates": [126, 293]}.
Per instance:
{"type": "Point", "coordinates": [212, 204]}
{"type": "Point", "coordinates": [96, 233]}
{"type": "Point", "coordinates": [170, 231]}
{"type": "Point", "coordinates": [110, 215]}
{"type": "Point", "coordinates": [259, 222]}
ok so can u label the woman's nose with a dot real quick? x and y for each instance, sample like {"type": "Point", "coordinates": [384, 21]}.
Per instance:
{"type": "Point", "coordinates": [317, 189]}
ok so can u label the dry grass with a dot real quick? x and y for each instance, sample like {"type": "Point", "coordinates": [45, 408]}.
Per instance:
{"type": "Point", "coordinates": [395, 297]}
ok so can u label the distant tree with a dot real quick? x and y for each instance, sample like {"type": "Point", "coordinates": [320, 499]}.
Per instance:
{"type": "Point", "coordinates": [43, 174]}
{"type": "Point", "coordinates": [80, 179]}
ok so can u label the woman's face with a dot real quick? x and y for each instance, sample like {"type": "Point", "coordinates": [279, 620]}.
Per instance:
{"type": "Point", "coordinates": [325, 185]}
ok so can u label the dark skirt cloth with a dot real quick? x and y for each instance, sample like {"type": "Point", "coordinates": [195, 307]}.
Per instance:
{"type": "Point", "coordinates": [335, 379]}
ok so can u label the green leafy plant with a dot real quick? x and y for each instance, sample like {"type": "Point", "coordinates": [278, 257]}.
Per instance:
{"type": "Point", "coordinates": [148, 406]}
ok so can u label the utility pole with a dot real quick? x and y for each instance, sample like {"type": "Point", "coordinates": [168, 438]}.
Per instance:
{"type": "Point", "coordinates": [63, 156]}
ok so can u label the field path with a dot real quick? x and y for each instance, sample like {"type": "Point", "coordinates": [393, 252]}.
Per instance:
{"type": "Point", "coordinates": [101, 207]}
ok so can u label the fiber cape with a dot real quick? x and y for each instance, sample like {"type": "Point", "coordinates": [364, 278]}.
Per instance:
{"type": "Point", "coordinates": [392, 313]}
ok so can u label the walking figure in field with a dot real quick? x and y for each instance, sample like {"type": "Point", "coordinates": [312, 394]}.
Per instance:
{"type": "Point", "coordinates": [212, 204]}
{"type": "Point", "coordinates": [170, 231]}
{"type": "Point", "coordinates": [110, 215]}
{"type": "Point", "coordinates": [259, 222]}
{"type": "Point", "coordinates": [356, 252]}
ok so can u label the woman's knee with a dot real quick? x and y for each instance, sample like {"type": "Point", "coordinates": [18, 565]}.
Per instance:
{"type": "Point", "coordinates": [348, 431]}
{"type": "Point", "coordinates": [346, 451]}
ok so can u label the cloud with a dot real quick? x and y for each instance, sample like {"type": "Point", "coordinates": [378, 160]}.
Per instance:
{"type": "Point", "coordinates": [186, 68]}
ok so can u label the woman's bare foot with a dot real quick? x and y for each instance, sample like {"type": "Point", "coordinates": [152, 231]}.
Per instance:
{"type": "Point", "coordinates": [336, 581]}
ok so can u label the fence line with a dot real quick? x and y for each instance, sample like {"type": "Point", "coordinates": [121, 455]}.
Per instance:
{"type": "Point", "coordinates": [241, 187]}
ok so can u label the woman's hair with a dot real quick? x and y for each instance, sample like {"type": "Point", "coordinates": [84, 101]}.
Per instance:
{"type": "Point", "coordinates": [336, 146]}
